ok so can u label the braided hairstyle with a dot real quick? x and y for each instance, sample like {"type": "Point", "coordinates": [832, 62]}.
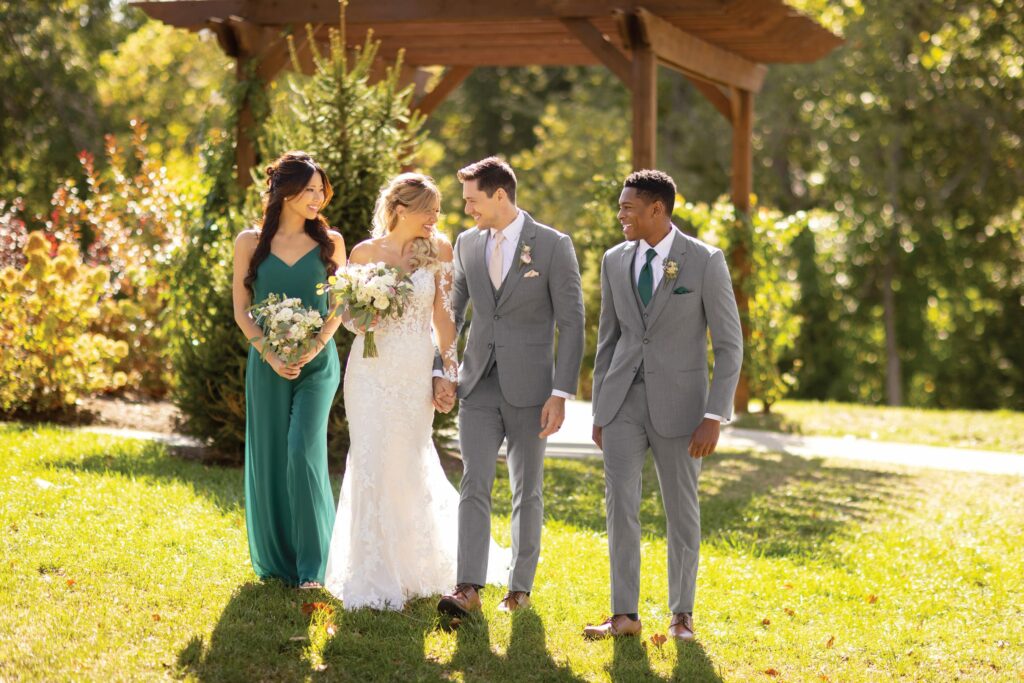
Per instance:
{"type": "Point", "coordinates": [287, 177]}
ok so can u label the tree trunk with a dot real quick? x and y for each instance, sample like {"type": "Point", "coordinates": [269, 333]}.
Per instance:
{"type": "Point", "coordinates": [893, 370]}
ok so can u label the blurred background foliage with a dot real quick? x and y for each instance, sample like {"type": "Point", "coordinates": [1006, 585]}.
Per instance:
{"type": "Point", "coordinates": [888, 228]}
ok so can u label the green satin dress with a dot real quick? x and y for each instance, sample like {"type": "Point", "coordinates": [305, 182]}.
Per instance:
{"type": "Point", "coordinates": [289, 505]}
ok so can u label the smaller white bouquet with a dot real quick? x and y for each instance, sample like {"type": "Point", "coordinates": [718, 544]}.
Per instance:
{"type": "Point", "coordinates": [368, 293]}
{"type": "Point", "coordinates": [289, 328]}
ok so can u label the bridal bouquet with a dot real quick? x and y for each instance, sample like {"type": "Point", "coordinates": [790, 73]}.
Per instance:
{"type": "Point", "coordinates": [289, 328]}
{"type": "Point", "coordinates": [369, 292]}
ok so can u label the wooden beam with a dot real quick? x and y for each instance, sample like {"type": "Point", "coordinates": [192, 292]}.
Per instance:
{"type": "Point", "coordinates": [645, 107]}
{"type": "Point", "coordinates": [386, 11]}
{"type": "Point", "coordinates": [453, 77]}
{"type": "Point", "coordinates": [553, 56]}
{"type": "Point", "coordinates": [713, 93]}
{"type": "Point", "coordinates": [742, 103]}
{"type": "Point", "coordinates": [191, 14]}
{"type": "Point", "coordinates": [602, 48]}
{"type": "Point", "coordinates": [687, 53]}
{"type": "Point", "coordinates": [742, 187]}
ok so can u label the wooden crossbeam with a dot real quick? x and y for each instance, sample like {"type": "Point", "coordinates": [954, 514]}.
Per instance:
{"type": "Point", "coordinates": [687, 53]}
{"type": "Point", "coordinates": [601, 47]}
{"type": "Point", "coordinates": [452, 78]}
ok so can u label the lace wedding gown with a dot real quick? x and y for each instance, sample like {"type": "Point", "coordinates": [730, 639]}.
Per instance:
{"type": "Point", "coordinates": [396, 532]}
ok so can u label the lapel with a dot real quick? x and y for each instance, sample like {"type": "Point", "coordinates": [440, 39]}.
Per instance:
{"type": "Point", "coordinates": [478, 263]}
{"type": "Point", "coordinates": [664, 291]}
{"type": "Point", "coordinates": [515, 273]}
{"type": "Point", "coordinates": [624, 279]}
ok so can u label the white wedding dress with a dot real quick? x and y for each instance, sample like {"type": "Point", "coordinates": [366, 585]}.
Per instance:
{"type": "Point", "coordinates": [396, 532]}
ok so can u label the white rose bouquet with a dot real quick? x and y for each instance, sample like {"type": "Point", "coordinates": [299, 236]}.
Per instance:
{"type": "Point", "coordinates": [368, 293]}
{"type": "Point", "coordinates": [289, 328]}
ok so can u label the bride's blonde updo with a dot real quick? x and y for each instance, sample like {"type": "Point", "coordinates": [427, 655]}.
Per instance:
{"type": "Point", "coordinates": [417, 193]}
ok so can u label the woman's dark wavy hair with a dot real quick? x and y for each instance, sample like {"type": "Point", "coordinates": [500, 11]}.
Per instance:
{"type": "Point", "coordinates": [287, 177]}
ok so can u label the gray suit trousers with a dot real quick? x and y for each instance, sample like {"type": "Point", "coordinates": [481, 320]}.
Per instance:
{"type": "Point", "coordinates": [485, 420]}
{"type": "Point", "coordinates": [626, 440]}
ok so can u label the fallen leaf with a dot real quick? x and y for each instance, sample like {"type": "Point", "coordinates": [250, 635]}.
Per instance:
{"type": "Point", "coordinates": [823, 677]}
{"type": "Point", "coordinates": [658, 639]}
{"type": "Point", "coordinates": [43, 484]}
{"type": "Point", "coordinates": [789, 612]}
{"type": "Point", "coordinates": [156, 617]}
{"type": "Point", "coordinates": [298, 638]}
{"type": "Point", "coordinates": [872, 599]}
{"type": "Point", "coordinates": [310, 607]}
{"type": "Point", "coordinates": [771, 672]}
{"type": "Point", "coordinates": [831, 641]}
{"type": "Point", "coordinates": [320, 667]}
{"type": "Point", "coordinates": [787, 586]}
{"type": "Point", "coordinates": [766, 621]}
{"type": "Point", "coordinates": [70, 582]}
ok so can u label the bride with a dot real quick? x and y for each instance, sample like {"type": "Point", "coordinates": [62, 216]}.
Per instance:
{"type": "Point", "coordinates": [396, 531]}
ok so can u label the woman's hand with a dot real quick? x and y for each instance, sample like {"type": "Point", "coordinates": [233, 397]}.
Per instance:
{"type": "Point", "coordinates": [318, 346]}
{"type": "Point", "coordinates": [288, 371]}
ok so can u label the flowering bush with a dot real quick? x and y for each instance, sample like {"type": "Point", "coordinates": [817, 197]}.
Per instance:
{"type": "Point", "coordinates": [131, 220]}
{"type": "Point", "coordinates": [48, 354]}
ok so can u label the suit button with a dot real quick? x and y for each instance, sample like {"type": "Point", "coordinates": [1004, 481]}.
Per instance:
{"type": "Point", "coordinates": [647, 341]}
{"type": "Point", "coordinates": [490, 346]}
{"type": "Point", "coordinates": [646, 315]}
{"type": "Point", "coordinates": [497, 317]}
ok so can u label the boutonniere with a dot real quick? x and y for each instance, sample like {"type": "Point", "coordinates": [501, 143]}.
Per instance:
{"type": "Point", "coordinates": [525, 256]}
{"type": "Point", "coordinates": [671, 269]}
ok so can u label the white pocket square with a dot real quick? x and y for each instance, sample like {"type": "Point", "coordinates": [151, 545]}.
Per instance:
{"type": "Point", "coordinates": [531, 273]}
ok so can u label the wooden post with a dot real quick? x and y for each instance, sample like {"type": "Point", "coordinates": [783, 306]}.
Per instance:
{"type": "Point", "coordinates": [245, 146]}
{"type": "Point", "coordinates": [742, 186]}
{"type": "Point", "coordinates": [645, 106]}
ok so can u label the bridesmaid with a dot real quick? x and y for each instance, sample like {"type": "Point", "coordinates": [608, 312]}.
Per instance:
{"type": "Point", "coordinates": [289, 505]}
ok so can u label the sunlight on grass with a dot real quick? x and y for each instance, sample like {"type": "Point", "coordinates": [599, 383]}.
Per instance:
{"type": "Point", "coordinates": [999, 430]}
{"type": "Point", "coordinates": [121, 562]}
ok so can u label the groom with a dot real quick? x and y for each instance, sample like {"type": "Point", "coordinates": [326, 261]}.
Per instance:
{"type": "Point", "coordinates": [661, 292]}
{"type": "Point", "coordinates": [524, 282]}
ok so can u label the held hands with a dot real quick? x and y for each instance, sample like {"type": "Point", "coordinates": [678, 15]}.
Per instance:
{"type": "Point", "coordinates": [288, 371]}
{"type": "Point", "coordinates": [705, 438]}
{"type": "Point", "coordinates": [552, 415]}
{"type": "Point", "coordinates": [444, 394]}
{"type": "Point", "coordinates": [318, 346]}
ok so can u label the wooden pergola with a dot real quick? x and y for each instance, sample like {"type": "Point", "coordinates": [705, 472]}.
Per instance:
{"type": "Point", "coordinates": [721, 46]}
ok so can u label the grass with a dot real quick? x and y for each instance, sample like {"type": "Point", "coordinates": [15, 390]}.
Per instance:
{"type": "Point", "coordinates": [121, 563]}
{"type": "Point", "coordinates": [1001, 430]}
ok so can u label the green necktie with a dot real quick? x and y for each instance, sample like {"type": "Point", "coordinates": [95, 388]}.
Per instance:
{"type": "Point", "coordinates": [646, 284]}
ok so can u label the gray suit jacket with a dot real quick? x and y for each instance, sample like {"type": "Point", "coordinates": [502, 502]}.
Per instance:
{"type": "Point", "coordinates": [669, 337]}
{"type": "Point", "coordinates": [517, 323]}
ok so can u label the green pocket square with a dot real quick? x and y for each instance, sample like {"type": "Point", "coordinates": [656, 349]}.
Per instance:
{"type": "Point", "coordinates": [681, 290]}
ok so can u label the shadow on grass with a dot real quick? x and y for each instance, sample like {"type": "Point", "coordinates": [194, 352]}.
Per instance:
{"type": "Point", "coordinates": [263, 635]}
{"type": "Point", "coordinates": [137, 459]}
{"type": "Point", "coordinates": [770, 504]}
{"type": "Point", "coordinates": [527, 657]}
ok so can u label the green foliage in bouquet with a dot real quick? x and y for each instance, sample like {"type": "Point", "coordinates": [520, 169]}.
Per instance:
{"type": "Point", "coordinates": [48, 354]}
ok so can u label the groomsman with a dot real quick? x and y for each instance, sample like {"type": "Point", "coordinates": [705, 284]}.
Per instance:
{"type": "Point", "coordinates": [661, 291]}
{"type": "Point", "coordinates": [523, 282]}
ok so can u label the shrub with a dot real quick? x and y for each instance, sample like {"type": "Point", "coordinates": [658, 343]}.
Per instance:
{"type": "Point", "coordinates": [48, 355]}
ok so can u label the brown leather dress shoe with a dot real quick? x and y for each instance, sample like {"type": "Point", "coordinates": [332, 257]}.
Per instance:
{"type": "Point", "coordinates": [514, 600]}
{"type": "Point", "coordinates": [461, 601]}
{"type": "Point", "coordinates": [681, 627]}
{"type": "Point", "coordinates": [618, 625]}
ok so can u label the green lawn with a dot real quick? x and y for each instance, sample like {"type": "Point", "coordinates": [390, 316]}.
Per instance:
{"type": "Point", "coordinates": [133, 565]}
{"type": "Point", "coordinates": [1001, 430]}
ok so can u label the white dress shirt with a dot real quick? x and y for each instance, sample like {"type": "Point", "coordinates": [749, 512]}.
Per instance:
{"type": "Point", "coordinates": [511, 234]}
{"type": "Point", "coordinates": [661, 250]}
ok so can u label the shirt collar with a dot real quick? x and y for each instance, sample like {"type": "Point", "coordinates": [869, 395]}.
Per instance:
{"type": "Point", "coordinates": [663, 247]}
{"type": "Point", "coordinates": [513, 229]}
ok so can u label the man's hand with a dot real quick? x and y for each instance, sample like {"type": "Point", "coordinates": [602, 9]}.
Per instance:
{"type": "Point", "coordinates": [444, 394]}
{"type": "Point", "coordinates": [705, 438]}
{"type": "Point", "coordinates": [552, 415]}
{"type": "Point", "coordinates": [597, 436]}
